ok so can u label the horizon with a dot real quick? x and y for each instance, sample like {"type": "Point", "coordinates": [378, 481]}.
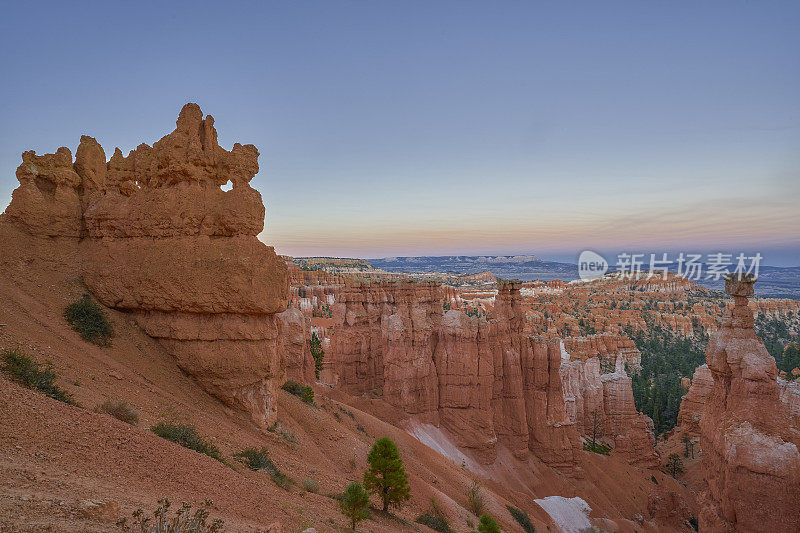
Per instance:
{"type": "Point", "coordinates": [568, 259]}
{"type": "Point", "coordinates": [542, 130]}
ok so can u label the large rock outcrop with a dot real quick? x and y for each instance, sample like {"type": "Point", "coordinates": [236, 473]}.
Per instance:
{"type": "Point", "coordinates": [694, 401]}
{"type": "Point", "coordinates": [749, 437]}
{"type": "Point", "coordinates": [466, 380]}
{"type": "Point", "coordinates": [606, 401]}
{"type": "Point", "coordinates": [161, 240]}
{"type": "Point", "coordinates": [552, 434]}
{"type": "Point", "coordinates": [484, 381]}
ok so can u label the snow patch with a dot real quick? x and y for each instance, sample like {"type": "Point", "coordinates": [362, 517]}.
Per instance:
{"type": "Point", "coordinates": [571, 515]}
{"type": "Point", "coordinates": [435, 439]}
{"type": "Point", "coordinates": [564, 353]}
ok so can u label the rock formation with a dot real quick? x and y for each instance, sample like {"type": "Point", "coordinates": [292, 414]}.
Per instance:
{"type": "Point", "coordinates": [608, 398]}
{"type": "Point", "coordinates": [749, 438]}
{"type": "Point", "coordinates": [483, 380]}
{"type": "Point", "coordinates": [408, 337]}
{"type": "Point", "coordinates": [553, 436]}
{"type": "Point", "coordinates": [607, 347]}
{"type": "Point", "coordinates": [294, 333]}
{"type": "Point", "coordinates": [161, 240]}
{"type": "Point", "coordinates": [466, 380]}
{"type": "Point", "coordinates": [631, 431]}
{"type": "Point", "coordinates": [694, 401]}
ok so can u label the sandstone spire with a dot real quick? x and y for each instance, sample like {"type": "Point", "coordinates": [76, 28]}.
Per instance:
{"type": "Point", "coordinates": [748, 436]}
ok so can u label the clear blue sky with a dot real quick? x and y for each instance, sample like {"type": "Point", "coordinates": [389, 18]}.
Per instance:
{"type": "Point", "coordinates": [411, 128]}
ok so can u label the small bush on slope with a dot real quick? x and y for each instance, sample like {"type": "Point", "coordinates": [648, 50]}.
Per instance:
{"type": "Point", "coordinates": [186, 436]}
{"type": "Point", "coordinates": [29, 373]}
{"type": "Point", "coordinates": [89, 319]}
{"type": "Point", "coordinates": [435, 519]}
{"type": "Point", "coordinates": [259, 460]}
{"type": "Point", "coordinates": [304, 392]}
{"type": "Point", "coordinates": [596, 448]}
{"type": "Point", "coordinates": [120, 411]}
{"type": "Point", "coordinates": [522, 519]}
{"type": "Point", "coordinates": [475, 503]}
{"type": "Point", "coordinates": [310, 485]}
{"type": "Point", "coordinates": [183, 521]}
{"type": "Point", "coordinates": [487, 524]}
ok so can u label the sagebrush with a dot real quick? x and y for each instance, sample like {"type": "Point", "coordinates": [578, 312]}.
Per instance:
{"type": "Point", "coordinates": [435, 519]}
{"type": "Point", "coordinates": [119, 410]}
{"type": "Point", "coordinates": [88, 318]}
{"type": "Point", "coordinates": [186, 436]}
{"type": "Point", "coordinates": [27, 372]}
{"type": "Point", "coordinates": [522, 519]}
{"type": "Point", "coordinates": [256, 459]}
{"type": "Point", "coordinates": [304, 392]}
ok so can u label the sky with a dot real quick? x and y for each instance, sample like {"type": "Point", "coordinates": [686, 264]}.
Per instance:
{"type": "Point", "coordinates": [449, 127]}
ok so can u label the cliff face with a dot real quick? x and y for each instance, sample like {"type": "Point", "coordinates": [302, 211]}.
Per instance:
{"type": "Point", "coordinates": [748, 435]}
{"type": "Point", "coordinates": [553, 435]}
{"type": "Point", "coordinates": [161, 240]}
{"type": "Point", "coordinates": [486, 382]}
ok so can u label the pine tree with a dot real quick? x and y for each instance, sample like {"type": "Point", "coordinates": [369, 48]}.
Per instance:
{"type": "Point", "coordinates": [386, 475]}
{"type": "Point", "coordinates": [675, 464]}
{"type": "Point", "coordinates": [315, 346]}
{"type": "Point", "coordinates": [354, 503]}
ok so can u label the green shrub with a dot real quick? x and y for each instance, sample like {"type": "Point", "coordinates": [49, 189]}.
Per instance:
{"type": "Point", "coordinates": [522, 519]}
{"type": "Point", "coordinates": [304, 392]}
{"type": "Point", "coordinates": [596, 448]}
{"type": "Point", "coordinates": [183, 521]}
{"type": "Point", "coordinates": [88, 318]}
{"type": "Point", "coordinates": [29, 373]}
{"type": "Point", "coordinates": [186, 436]}
{"type": "Point", "coordinates": [256, 459]}
{"type": "Point", "coordinates": [435, 519]}
{"type": "Point", "coordinates": [310, 485]}
{"type": "Point", "coordinates": [120, 411]}
{"type": "Point", "coordinates": [487, 524]}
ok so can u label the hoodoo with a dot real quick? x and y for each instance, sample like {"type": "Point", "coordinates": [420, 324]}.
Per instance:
{"type": "Point", "coordinates": [159, 238]}
{"type": "Point", "coordinates": [749, 436]}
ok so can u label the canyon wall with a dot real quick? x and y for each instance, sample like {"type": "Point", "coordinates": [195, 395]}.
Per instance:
{"type": "Point", "coordinates": [484, 381]}
{"type": "Point", "coordinates": [162, 241]}
{"type": "Point", "coordinates": [748, 435]}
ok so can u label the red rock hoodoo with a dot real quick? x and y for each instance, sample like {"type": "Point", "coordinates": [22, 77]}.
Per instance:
{"type": "Point", "coordinates": [160, 239]}
{"type": "Point", "coordinates": [484, 381]}
{"type": "Point", "coordinates": [694, 401]}
{"type": "Point", "coordinates": [749, 436]}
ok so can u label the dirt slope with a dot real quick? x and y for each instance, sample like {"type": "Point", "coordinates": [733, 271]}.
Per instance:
{"type": "Point", "coordinates": [54, 457]}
